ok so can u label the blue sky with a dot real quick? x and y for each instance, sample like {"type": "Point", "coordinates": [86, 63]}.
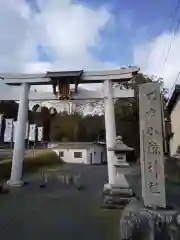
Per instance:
{"type": "Point", "coordinates": [42, 35]}
{"type": "Point", "coordinates": [133, 22]}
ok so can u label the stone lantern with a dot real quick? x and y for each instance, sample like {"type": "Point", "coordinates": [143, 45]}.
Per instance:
{"type": "Point", "coordinates": [121, 165]}
{"type": "Point", "coordinates": [121, 151]}
{"type": "Point", "coordinates": [120, 193]}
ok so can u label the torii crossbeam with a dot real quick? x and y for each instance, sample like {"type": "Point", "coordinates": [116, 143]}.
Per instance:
{"type": "Point", "coordinates": [78, 77]}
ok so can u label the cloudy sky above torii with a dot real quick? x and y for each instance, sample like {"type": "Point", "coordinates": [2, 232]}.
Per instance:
{"type": "Point", "coordinates": [41, 35]}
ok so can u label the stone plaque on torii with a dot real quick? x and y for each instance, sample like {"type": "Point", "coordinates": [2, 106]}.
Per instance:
{"type": "Point", "coordinates": [60, 82]}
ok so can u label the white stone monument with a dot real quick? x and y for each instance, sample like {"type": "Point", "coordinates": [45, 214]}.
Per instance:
{"type": "Point", "coordinates": [151, 145]}
{"type": "Point", "coordinates": [149, 216]}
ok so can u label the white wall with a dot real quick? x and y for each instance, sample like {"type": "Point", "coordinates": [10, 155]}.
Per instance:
{"type": "Point", "coordinates": [86, 155]}
{"type": "Point", "coordinates": [175, 123]}
{"type": "Point", "coordinates": [69, 155]}
{"type": "Point", "coordinates": [89, 152]}
{"type": "Point", "coordinates": [96, 154]}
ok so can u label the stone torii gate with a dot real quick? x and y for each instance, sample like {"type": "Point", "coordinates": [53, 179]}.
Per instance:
{"type": "Point", "coordinates": [108, 94]}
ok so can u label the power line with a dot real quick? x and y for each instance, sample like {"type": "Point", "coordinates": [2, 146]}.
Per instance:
{"type": "Point", "coordinates": [175, 13]}
{"type": "Point", "coordinates": [171, 26]}
{"type": "Point", "coordinates": [171, 43]}
{"type": "Point", "coordinates": [174, 35]}
{"type": "Point", "coordinates": [172, 22]}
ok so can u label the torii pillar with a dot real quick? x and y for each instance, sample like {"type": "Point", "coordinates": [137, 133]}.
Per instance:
{"type": "Point", "coordinates": [19, 145]}
{"type": "Point", "coordinates": [110, 127]}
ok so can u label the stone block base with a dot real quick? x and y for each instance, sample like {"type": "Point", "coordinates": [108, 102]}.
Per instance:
{"type": "Point", "coordinates": [116, 196]}
{"type": "Point", "coordinates": [137, 220]}
{"type": "Point", "coordinates": [13, 183]}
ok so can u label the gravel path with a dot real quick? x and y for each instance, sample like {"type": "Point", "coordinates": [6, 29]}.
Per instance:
{"type": "Point", "coordinates": [58, 211]}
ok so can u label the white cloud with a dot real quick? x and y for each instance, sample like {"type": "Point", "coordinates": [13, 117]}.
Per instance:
{"type": "Point", "coordinates": [150, 57]}
{"type": "Point", "coordinates": [71, 29]}
{"type": "Point", "coordinates": [16, 45]}
{"type": "Point", "coordinates": [68, 30]}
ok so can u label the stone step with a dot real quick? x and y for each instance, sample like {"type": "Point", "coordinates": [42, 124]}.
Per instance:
{"type": "Point", "coordinates": [117, 200]}
{"type": "Point", "coordinates": [120, 195]}
{"type": "Point", "coordinates": [112, 206]}
{"type": "Point", "coordinates": [121, 191]}
{"type": "Point", "coordinates": [118, 192]}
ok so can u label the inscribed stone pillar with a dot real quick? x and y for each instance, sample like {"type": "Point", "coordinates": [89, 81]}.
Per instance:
{"type": "Point", "coordinates": [151, 145]}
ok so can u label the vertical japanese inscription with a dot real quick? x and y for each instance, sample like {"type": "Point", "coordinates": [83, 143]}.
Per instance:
{"type": "Point", "coordinates": [151, 144]}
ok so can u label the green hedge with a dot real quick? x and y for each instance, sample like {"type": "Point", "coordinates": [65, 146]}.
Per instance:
{"type": "Point", "coordinates": [172, 170]}
{"type": "Point", "coordinates": [32, 162]}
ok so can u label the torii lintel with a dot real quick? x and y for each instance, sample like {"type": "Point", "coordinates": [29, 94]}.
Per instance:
{"type": "Point", "coordinates": [117, 75]}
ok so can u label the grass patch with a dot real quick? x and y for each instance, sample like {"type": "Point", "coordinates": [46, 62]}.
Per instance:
{"type": "Point", "coordinates": [173, 180]}
{"type": "Point", "coordinates": [33, 161]}
{"type": "Point", "coordinates": [172, 170]}
{"type": "Point", "coordinates": [108, 220]}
